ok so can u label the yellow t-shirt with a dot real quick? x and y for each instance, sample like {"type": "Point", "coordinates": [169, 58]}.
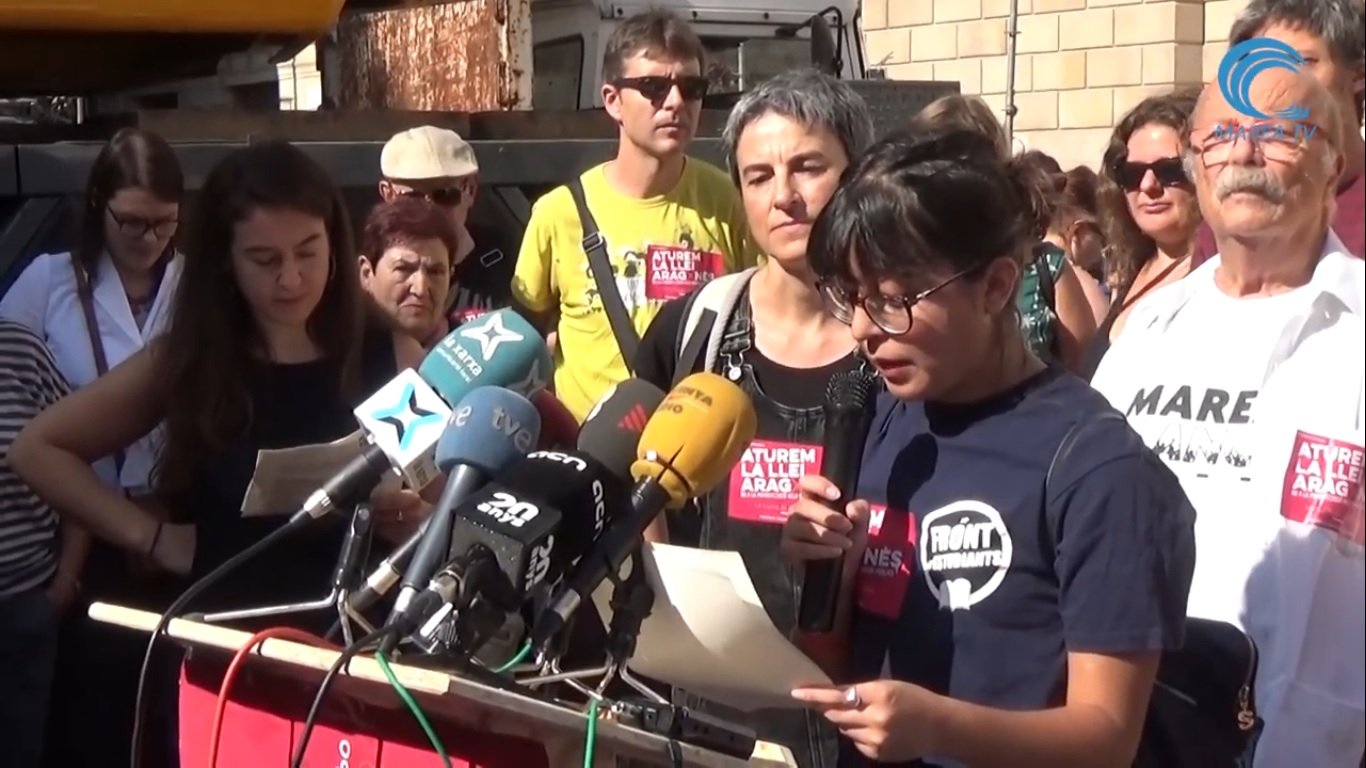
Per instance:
{"type": "Point", "coordinates": [660, 248]}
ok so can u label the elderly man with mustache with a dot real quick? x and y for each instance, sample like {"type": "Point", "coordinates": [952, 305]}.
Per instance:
{"type": "Point", "coordinates": [1248, 379]}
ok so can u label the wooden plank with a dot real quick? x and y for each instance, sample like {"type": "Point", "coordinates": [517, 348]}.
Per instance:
{"type": "Point", "coordinates": [452, 697]}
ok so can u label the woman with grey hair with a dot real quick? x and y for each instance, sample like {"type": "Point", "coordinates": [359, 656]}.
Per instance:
{"type": "Point", "coordinates": [767, 329]}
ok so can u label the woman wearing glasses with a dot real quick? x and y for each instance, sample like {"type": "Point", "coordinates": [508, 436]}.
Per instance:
{"type": "Point", "coordinates": [788, 141]}
{"type": "Point", "coordinates": [1148, 209]}
{"type": "Point", "coordinates": [95, 307]}
{"type": "Point", "coordinates": [1016, 560]}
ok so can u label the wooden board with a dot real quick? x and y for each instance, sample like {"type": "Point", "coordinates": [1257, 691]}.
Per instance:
{"type": "Point", "coordinates": [466, 701]}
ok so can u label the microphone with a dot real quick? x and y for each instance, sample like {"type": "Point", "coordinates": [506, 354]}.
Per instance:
{"type": "Point", "coordinates": [687, 448]}
{"type": "Point", "coordinates": [848, 417]}
{"type": "Point", "coordinates": [490, 429]}
{"type": "Point", "coordinates": [403, 420]}
{"type": "Point", "coordinates": [524, 529]}
{"type": "Point", "coordinates": [500, 349]}
{"type": "Point", "coordinates": [559, 428]}
{"type": "Point", "coordinates": [613, 428]}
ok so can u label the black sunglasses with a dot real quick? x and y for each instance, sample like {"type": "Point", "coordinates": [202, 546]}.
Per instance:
{"type": "Point", "coordinates": [1168, 171]}
{"type": "Point", "coordinates": [656, 88]}
{"type": "Point", "coordinates": [446, 197]}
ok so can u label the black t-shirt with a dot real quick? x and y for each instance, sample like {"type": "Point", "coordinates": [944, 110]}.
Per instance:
{"type": "Point", "coordinates": [292, 405]}
{"type": "Point", "coordinates": [962, 589]}
{"type": "Point", "coordinates": [657, 360]}
{"type": "Point", "coordinates": [483, 281]}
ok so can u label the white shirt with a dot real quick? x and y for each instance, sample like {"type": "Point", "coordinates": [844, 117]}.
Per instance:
{"type": "Point", "coordinates": [44, 299]}
{"type": "Point", "coordinates": [1267, 440]}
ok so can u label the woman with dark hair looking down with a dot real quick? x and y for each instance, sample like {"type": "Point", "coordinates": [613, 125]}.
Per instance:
{"type": "Point", "coordinates": [1015, 560]}
{"type": "Point", "coordinates": [269, 347]}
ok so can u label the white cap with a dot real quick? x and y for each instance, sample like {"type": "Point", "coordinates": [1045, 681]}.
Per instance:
{"type": "Point", "coordinates": [427, 152]}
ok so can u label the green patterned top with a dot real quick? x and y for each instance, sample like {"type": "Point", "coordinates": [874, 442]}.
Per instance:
{"type": "Point", "coordinates": [1037, 318]}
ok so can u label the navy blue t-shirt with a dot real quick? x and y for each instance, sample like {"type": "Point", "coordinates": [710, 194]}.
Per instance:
{"type": "Point", "coordinates": [974, 584]}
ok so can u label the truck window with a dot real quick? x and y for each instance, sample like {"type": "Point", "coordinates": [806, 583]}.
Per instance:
{"type": "Point", "coordinates": [723, 63]}
{"type": "Point", "coordinates": [557, 68]}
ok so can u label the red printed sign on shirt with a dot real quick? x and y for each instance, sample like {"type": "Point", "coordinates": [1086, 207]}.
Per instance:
{"type": "Point", "coordinates": [885, 571]}
{"type": "Point", "coordinates": [1323, 486]}
{"type": "Point", "coordinates": [763, 484]}
{"type": "Point", "coordinates": [673, 271]}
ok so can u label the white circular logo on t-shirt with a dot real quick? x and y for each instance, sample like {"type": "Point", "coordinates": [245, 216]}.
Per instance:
{"type": "Point", "coordinates": [965, 553]}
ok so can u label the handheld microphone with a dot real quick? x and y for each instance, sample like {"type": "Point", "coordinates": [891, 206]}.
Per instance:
{"type": "Point", "coordinates": [525, 529]}
{"type": "Point", "coordinates": [848, 416]}
{"type": "Point", "coordinates": [490, 429]}
{"type": "Point", "coordinates": [687, 448]}
{"type": "Point", "coordinates": [559, 428]}
{"type": "Point", "coordinates": [405, 418]}
{"type": "Point", "coordinates": [612, 430]}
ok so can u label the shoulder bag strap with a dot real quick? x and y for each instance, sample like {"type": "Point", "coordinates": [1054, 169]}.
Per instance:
{"type": "Point", "coordinates": [1047, 286]}
{"type": "Point", "coordinates": [92, 329]}
{"type": "Point", "coordinates": [595, 247]}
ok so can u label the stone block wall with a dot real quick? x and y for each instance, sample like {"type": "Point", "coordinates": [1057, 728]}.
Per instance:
{"type": "Point", "coordinates": [1080, 64]}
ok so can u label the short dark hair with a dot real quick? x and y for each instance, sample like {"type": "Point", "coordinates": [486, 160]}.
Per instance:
{"type": "Point", "coordinates": [656, 32]}
{"type": "Point", "coordinates": [407, 220]}
{"type": "Point", "coordinates": [1337, 22]}
{"type": "Point", "coordinates": [132, 158]}
{"type": "Point", "coordinates": [958, 111]}
{"type": "Point", "coordinates": [918, 204]}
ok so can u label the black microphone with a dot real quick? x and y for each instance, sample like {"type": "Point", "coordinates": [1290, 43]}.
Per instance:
{"type": "Point", "coordinates": [490, 428]}
{"type": "Point", "coordinates": [848, 417]}
{"type": "Point", "coordinates": [686, 448]}
{"type": "Point", "coordinates": [523, 530]}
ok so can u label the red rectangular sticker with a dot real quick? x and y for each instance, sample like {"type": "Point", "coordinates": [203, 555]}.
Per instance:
{"type": "Point", "coordinates": [674, 271]}
{"type": "Point", "coordinates": [1323, 486]}
{"type": "Point", "coordinates": [763, 485]}
{"type": "Point", "coordinates": [888, 562]}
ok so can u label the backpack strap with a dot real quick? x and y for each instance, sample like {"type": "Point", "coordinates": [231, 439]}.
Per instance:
{"type": "Point", "coordinates": [1047, 285]}
{"type": "Point", "coordinates": [600, 265]}
{"type": "Point", "coordinates": [1065, 448]}
{"type": "Point", "coordinates": [704, 322]}
{"type": "Point", "coordinates": [86, 294]}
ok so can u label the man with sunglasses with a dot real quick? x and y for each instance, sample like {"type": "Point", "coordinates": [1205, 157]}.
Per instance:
{"type": "Point", "coordinates": [1247, 378]}
{"type": "Point", "coordinates": [438, 165]}
{"type": "Point", "coordinates": [666, 222]}
{"type": "Point", "coordinates": [1331, 36]}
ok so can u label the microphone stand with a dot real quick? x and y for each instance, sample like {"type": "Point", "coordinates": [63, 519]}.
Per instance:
{"type": "Point", "coordinates": [345, 578]}
{"type": "Point", "coordinates": [632, 601]}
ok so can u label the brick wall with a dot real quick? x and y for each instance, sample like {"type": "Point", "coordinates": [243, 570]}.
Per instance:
{"type": "Point", "coordinates": [1080, 64]}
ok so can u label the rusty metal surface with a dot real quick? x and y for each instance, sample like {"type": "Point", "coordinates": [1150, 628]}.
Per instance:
{"type": "Point", "coordinates": [463, 56]}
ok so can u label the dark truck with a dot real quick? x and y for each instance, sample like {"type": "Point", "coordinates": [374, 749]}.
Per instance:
{"type": "Point", "coordinates": [521, 156]}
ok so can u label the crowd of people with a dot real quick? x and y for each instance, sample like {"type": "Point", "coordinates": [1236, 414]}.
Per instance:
{"type": "Point", "coordinates": [1120, 405]}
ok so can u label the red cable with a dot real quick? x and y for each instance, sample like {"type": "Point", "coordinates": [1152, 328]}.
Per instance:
{"type": "Point", "coordinates": [283, 633]}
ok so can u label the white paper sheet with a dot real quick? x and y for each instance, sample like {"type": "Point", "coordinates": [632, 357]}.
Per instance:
{"type": "Point", "coordinates": [709, 633]}
{"type": "Point", "coordinates": [285, 478]}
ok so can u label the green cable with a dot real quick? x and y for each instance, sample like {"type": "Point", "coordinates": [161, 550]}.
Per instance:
{"type": "Point", "coordinates": [591, 737]}
{"type": "Point", "coordinates": [407, 699]}
{"type": "Point", "coordinates": [515, 660]}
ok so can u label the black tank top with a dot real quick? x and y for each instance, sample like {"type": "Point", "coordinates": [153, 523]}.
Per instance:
{"type": "Point", "coordinates": [292, 405]}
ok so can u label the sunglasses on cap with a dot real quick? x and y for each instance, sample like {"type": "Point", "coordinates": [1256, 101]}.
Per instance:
{"type": "Point", "coordinates": [446, 197]}
{"type": "Point", "coordinates": [1168, 171]}
{"type": "Point", "coordinates": [656, 88]}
